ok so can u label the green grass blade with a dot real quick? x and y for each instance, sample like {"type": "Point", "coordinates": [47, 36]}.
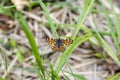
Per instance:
{"type": "Point", "coordinates": [1, 78]}
{"type": "Point", "coordinates": [117, 23]}
{"type": "Point", "coordinates": [87, 7]}
{"type": "Point", "coordinates": [65, 76]}
{"type": "Point", "coordinates": [113, 34]}
{"type": "Point", "coordinates": [5, 11]}
{"type": "Point", "coordinates": [31, 40]}
{"type": "Point", "coordinates": [38, 72]}
{"type": "Point", "coordinates": [108, 48]}
{"type": "Point", "coordinates": [54, 75]}
{"type": "Point", "coordinates": [117, 26]}
{"type": "Point", "coordinates": [78, 77]}
{"type": "Point", "coordinates": [114, 77]}
{"type": "Point", "coordinates": [53, 28]}
{"type": "Point", "coordinates": [75, 76]}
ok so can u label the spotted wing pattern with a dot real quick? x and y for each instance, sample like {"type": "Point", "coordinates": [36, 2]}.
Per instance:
{"type": "Point", "coordinates": [52, 43]}
{"type": "Point", "coordinates": [67, 42]}
{"type": "Point", "coordinates": [59, 44]}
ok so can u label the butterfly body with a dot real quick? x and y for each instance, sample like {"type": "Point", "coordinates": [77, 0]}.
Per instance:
{"type": "Point", "coordinates": [59, 44]}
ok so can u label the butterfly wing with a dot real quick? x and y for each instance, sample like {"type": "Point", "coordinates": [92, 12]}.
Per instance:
{"type": "Point", "coordinates": [62, 48]}
{"type": "Point", "coordinates": [64, 44]}
{"type": "Point", "coordinates": [52, 43]}
{"type": "Point", "coordinates": [54, 48]}
{"type": "Point", "coordinates": [67, 42]}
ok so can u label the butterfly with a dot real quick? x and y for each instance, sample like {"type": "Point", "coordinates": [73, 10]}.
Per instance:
{"type": "Point", "coordinates": [59, 44]}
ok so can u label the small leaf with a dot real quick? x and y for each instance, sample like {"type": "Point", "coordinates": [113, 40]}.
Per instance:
{"type": "Point", "coordinates": [99, 55]}
{"type": "Point", "coordinates": [114, 77]}
{"type": "Point", "coordinates": [1, 78]}
{"type": "Point", "coordinates": [12, 42]}
{"type": "Point", "coordinates": [19, 55]}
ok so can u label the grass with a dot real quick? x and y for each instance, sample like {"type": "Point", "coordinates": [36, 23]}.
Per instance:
{"type": "Point", "coordinates": [31, 40]}
{"type": "Point", "coordinates": [113, 34]}
{"type": "Point", "coordinates": [53, 28]}
{"type": "Point", "coordinates": [78, 41]}
{"type": "Point", "coordinates": [53, 73]}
